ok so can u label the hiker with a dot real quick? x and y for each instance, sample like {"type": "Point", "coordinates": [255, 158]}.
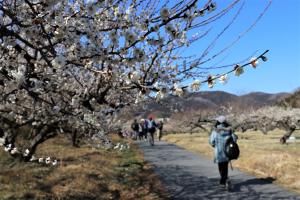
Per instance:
{"type": "Point", "coordinates": [221, 132]}
{"type": "Point", "coordinates": [151, 127]}
{"type": "Point", "coordinates": [135, 128]}
{"type": "Point", "coordinates": [144, 128]}
{"type": "Point", "coordinates": [141, 131]}
{"type": "Point", "coordinates": [160, 125]}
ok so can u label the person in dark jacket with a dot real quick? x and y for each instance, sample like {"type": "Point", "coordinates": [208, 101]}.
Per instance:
{"type": "Point", "coordinates": [135, 128]}
{"type": "Point", "coordinates": [160, 126]}
{"type": "Point", "coordinates": [222, 131]}
{"type": "Point", "coordinates": [144, 128]}
{"type": "Point", "coordinates": [151, 125]}
{"type": "Point", "coordinates": [141, 133]}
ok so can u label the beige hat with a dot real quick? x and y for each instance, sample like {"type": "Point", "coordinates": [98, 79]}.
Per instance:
{"type": "Point", "coordinates": [221, 119]}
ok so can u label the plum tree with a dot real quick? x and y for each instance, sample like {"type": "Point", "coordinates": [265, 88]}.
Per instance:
{"type": "Point", "coordinates": [69, 66]}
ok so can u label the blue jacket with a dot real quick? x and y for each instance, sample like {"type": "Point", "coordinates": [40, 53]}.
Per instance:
{"type": "Point", "coordinates": [217, 140]}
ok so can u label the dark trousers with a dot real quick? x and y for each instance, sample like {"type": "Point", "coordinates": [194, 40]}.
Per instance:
{"type": "Point", "coordinates": [145, 133]}
{"type": "Point", "coordinates": [223, 170]}
{"type": "Point", "coordinates": [151, 138]}
{"type": "Point", "coordinates": [141, 134]}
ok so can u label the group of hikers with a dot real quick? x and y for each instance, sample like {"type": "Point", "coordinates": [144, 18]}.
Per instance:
{"type": "Point", "coordinates": [146, 128]}
{"type": "Point", "coordinates": [222, 139]}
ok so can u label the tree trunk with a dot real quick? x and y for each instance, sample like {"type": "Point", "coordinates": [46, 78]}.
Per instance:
{"type": "Point", "coordinates": [74, 139]}
{"type": "Point", "coordinates": [287, 135]}
{"type": "Point", "coordinates": [43, 134]}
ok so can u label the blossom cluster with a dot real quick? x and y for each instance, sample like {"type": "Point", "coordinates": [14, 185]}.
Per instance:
{"type": "Point", "coordinates": [269, 118]}
{"type": "Point", "coordinates": [14, 151]}
{"type": "Point", "coordinates": [121, 147]}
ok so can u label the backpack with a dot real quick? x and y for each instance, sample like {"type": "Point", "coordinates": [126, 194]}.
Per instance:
{"type": "Point", "coordinates": [232, 150]}
{"type": "Point", "coordinates": [151, 126]}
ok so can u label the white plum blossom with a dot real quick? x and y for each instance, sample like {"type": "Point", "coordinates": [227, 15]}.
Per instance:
{"type": "Point", "coordinates": [19, 75]}
{"type": "Point", "coordinates": [33, 158]}
{"type": "Point", "coordinates": [164, 13]}
{"type": "Point", "coordinates": [254, 62]}
{"type": "Point", "coordinates": [223, 79]}
{"type": "Point", "coordinates": [54, 162]}
{"type": "Point", "coordinates": [179, 91]}
{"type": "Point", "coordinates": [130, 37]}
{"type": "Point", "coordinates": [171, 29]}
{"type": "Point", "coordinates": [48, 160]}
{"type": "Point", "coordinates": [135, 76]}
{"type": "Point", "coordinates": [116, 11]}
{"type": "Point", "coordinates": [113, 37]}
{"type": "Point", "coordinates": [8, 147]}
{"type": "Point", "coordinates": [195, 86]}
{"type": "Point", "coordinates": [14, 151]}
{"type": "Point", "coordinates": [26, 153]}
{"type": "Point", "coordinates": [75, 101]}
{"type": "Point", "coordinates": [211, 81]}
{"type": "Point", "coordinates": [121, 148]}
{"type": "Point", "coordinates": [129, 10]}
{"type": "Point", "coordinates": [161, 94]}
{"type": "Point", "coordinates": [211, 84]}
{"type": "Point", "coordinates": [155, 28]}
{"type": "Point", "coordinates": [238, 70]}
{"type": "Point", "coordinates": [139, 98]}
{"type": "Point", "coordinates": [117, 146]}
{"type": "Point", "coordinates": [139, 54]}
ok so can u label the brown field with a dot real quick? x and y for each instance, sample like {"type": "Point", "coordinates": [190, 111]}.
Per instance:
{"type": "Point", "coordinates": [85, 173]}
{"type": "Point", "coordinates": [261, 155]}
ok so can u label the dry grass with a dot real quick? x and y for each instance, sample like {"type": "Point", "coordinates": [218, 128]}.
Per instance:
{"type": "Point", "coordinates": [261, 155]}
{"type": "Point", "coordinates": [84, 174]}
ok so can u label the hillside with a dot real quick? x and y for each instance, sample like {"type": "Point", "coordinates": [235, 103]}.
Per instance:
{"type": "Point", "coordinates": [206, 101]}
{"type": "Point", "coordinates": [183, 110]}
{"type": "Point", "coordinates": [292, 100]}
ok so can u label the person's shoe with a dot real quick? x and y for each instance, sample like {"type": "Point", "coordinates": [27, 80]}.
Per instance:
{"type": "Point", "coordinates": [222, 186]}
{"type": "Point", "coordinates": [228, 185]}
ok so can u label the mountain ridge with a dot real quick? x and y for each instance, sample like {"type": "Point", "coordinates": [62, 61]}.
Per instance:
{"type": "Point", "coordinates": [208, 101]}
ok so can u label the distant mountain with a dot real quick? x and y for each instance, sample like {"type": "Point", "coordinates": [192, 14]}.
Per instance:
{"type": "Point", "coordinates": [292, 100]}
{"type": "Point", "coordinates": [207, 101]}
{"type": "Point", "coordinates": [259, 99]}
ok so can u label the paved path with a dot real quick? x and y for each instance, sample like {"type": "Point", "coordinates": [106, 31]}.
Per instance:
{"type": "Point", "coordinates": [190, 176]}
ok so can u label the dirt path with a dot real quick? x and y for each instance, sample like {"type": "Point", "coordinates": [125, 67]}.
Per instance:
{"type": "Point", "coordinates": [190, 176]}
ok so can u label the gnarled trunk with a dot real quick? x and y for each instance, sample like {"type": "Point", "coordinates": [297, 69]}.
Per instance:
{"type": "Point", "coordinates": [41, 134]}
{"type": "Point", "coordinates": [286, 136]}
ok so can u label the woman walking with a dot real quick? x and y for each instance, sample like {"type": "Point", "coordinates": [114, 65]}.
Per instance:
{"type": "Point", "coordinates": [221, 132]}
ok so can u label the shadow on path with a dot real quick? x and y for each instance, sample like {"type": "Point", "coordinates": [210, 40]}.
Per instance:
{"type": "Point", "coordinates": [188, 176]}
{"type": "Point", "coordinates": [254, 181]}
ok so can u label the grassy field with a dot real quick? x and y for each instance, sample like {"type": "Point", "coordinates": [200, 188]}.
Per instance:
{"type": "Point", "coordinates": [84, 173]}
{"type": "Point", "coordinates": [261, 155]}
